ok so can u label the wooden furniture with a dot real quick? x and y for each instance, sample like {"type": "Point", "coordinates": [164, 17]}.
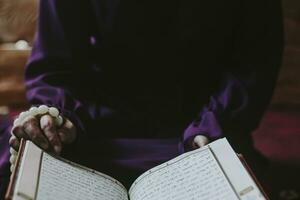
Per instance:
{"type": "Point", "coordinates": [12, 62]}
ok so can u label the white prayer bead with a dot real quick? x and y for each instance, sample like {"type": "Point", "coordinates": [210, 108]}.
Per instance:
{"type": "Point", "coordinates": [12, 167]}
{"type": "Point", "coordinates": [12, 151]}
{"type": "Point", "coordinates": [59, 120]}
{"type": "Point", "coordinates": [17, 122]}
{"type": "Point", "coordinates": [26, 114]}
{"type": "Point", "coordinates": [53, 112]}
{"type": "Point", "coordinates": [34, 111]}
{"type": "Point", "coordinates": [43, 109]}
{"type": "Point", "coordinates": [22, 116]}
{"type": "Point", "coordinates": [13, 159]}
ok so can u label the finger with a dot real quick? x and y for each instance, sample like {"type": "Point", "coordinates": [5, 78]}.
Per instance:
{"type": "Point", "coordinates": [14, 142]}
{"type": "Point", "coordinates": [19, 132]}
{"type": "Point", "coordinates": [48, 126]}
{"type": "Point", "coordinates": [32, 128]}
{"type": "Point", "coordinates": [67, 132]}
{"type": "Point", "coordinates": [200, 141]}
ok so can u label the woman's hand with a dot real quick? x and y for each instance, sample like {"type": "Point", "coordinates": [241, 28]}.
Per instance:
{"type": "Point", "coordinates": [44, 132]}
{"type": "Point", "coordinates": [197, 142]}
{"type": "Point", "coordinates": [200, 141]}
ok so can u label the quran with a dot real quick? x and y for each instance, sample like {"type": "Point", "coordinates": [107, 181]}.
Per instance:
{"type": "Point", "coordinates": [212, 172]}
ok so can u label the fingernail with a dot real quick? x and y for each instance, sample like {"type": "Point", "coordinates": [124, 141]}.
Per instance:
{"type": "Point", "coordinates": [57, 149]}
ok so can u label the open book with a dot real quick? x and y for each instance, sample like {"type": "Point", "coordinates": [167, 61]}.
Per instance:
{"type": "Point", "coordinates": [209, 173]}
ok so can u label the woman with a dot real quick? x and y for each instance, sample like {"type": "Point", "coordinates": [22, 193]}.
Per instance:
{"type": "Point", "coordinates": [138, 83]}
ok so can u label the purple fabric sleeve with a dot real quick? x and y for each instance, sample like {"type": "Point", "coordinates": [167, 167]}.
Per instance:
{"type": "Point", "coordinates": [247, 87]}
{"type": "Point", "coordinates": [5, 128]}
{"type": "Point", "coordinates": [50, 73]}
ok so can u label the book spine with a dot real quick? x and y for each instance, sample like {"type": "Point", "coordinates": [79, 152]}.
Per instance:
{"type": "Point", "coordinates": [251, 173]}
{"type": "Point", "coordinates": [13, 177]}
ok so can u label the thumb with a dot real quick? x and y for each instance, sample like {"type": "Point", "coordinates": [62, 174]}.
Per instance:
{"type": "Point", "coordinates": [200, 141]}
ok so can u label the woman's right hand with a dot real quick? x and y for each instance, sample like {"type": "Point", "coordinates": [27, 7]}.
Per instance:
{"type": "Point", "coordinates": [44, 132]}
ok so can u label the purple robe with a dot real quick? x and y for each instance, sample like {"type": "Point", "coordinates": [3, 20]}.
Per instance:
{"type": "Point", "coordinates": [139, 79]}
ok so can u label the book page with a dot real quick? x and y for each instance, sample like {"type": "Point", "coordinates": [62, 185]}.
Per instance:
{"type": "Point", "coordinates": [193, 175]}
{"type": "Point", "coordinates": [62, 180]}
{"type": "Point", "coordinates": [28, 172]}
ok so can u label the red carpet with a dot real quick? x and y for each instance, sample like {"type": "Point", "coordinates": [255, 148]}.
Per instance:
{"type": "Point", "coordinates": [278, 137]}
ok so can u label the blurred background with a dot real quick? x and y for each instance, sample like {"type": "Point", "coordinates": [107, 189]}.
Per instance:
{"type": "Point", "coordinates": [278, 136]}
